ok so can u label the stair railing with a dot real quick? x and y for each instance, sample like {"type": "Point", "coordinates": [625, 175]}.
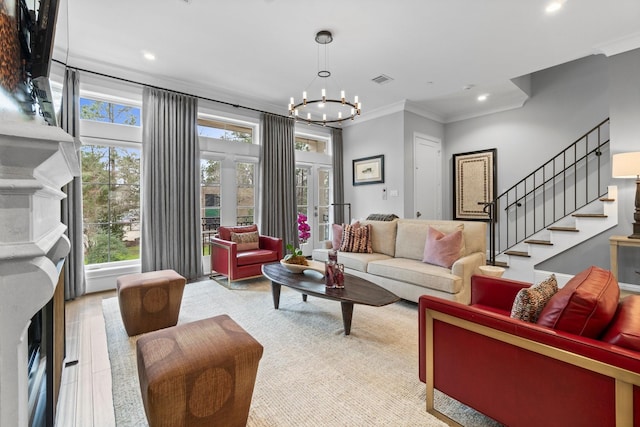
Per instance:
{"type": "Point", "coordinates": [561, 186]}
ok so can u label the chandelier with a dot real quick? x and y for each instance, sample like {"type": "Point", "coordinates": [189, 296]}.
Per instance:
{"type": "Point", "coordinates": [327, 110]}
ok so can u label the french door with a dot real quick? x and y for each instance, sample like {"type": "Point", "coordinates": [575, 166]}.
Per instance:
{"type": "Point", "coordinates": [313, 198]}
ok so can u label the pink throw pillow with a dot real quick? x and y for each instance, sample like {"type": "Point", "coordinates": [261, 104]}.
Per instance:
{"type": "Point", "coordinates": [336, 230]}
{"type": "Point", "coordinates": [442, 249]}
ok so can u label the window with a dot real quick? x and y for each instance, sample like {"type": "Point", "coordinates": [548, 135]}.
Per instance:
{"type": "Point", "coordinates": [111, 203]}
{"type": "Point", "coordinates": [246, 193]}
{"type": "Point", "coordinates": [107, 112]}
{"type": "Point", "coordinates": [209, 199]}
{"type": "Point", "coordinates": [225, 131]}
{"type": "Point", "coordinates": [303, 143]}
{"type": "Point", "coordinates": [302, 190]}
{"type": "Point", "coordinates": [324, 200]}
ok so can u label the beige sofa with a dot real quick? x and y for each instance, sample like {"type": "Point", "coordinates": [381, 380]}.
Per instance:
{"type": "Point", "coordinates": [396, 262]}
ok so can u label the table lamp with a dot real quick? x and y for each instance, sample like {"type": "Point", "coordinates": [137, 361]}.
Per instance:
{"type": "Point", "coordinates": [627, 165]}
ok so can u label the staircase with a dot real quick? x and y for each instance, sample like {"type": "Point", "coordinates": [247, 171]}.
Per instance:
{"type": "Point", "coordinates": [561, 204]}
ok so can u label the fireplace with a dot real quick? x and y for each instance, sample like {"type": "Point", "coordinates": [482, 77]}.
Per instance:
{"type": "Point", "coordinates": [35, 162]}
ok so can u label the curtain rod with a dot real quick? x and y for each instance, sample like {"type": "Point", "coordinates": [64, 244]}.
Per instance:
{"type": "Point", "coordinates": [180, 93]}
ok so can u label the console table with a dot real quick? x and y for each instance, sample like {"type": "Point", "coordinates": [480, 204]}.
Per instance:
{"type": "Point", "coordinates": [614, 243]}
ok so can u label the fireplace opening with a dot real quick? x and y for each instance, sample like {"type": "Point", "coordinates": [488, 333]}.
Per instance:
{"type": "Point", "coordinates": [38, 369]}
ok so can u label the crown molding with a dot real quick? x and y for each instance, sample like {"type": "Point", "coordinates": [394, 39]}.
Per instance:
{"type": "Point", "coordinates": [623, 44]}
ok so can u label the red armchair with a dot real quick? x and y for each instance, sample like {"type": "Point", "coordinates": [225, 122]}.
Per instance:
{"type": "Point", "coordinates": [239, 252]}
{"type": "Point", "coordinates": [524, 374]}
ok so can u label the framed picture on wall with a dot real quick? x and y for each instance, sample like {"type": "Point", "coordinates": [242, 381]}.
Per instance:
{"type": "Point", "coordinates": [368, 170]}
{"type": "Point", "coordinates": [474, 184]}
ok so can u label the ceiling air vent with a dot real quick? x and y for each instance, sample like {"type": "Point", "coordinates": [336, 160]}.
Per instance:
{"type": "Point", "coordinates": [382, 79]}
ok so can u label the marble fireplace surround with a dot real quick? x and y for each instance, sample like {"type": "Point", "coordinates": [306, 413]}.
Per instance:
{"type": "Point", "coordinates": [36, 161]}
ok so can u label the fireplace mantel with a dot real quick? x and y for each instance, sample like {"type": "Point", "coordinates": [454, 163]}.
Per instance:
{"type": "Point", "coordinates": [36, 161]}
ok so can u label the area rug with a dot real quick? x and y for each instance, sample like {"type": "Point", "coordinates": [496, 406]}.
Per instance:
{"type": "Point", "coordinates": [310, 374]}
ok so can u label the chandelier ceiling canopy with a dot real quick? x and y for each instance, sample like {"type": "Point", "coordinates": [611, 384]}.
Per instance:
{"type": "Point", "coordinates": [325, 108]}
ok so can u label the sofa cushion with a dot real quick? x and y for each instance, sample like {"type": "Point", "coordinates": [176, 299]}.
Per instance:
{"type": "Point", "coordinates": [356, 239]}
{"type": "Point", "coordinates": [585, 305]}
{"type": "Point", "coordinates": [246, 241]}
{"type": "Point", "coordinates": [417, 273]}
{"type": "Point", "coordinates": [358, 261]}
{"type": "Point", "coordinates": [442, 249]}
{"type": "Point", "coordinates": [224, 232]}
{"type": "Point", "coordinates": [529, 302]}
{"type": "Point", "coordinates": [256, 256]}
{"type": "Point", "coordinates": [412, 234]}
{"type": "Point", "coordinates": [624, 329]}
{"type": "Point", "coordinates": [383, 236]}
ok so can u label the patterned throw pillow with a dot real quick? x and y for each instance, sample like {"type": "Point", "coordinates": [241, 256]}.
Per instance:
{"type": "Point", "coordinates": [246, 241]}
{"type": "Point", "coordinates": [356, 238]}
{"type": "Point", "coordinates": [529, 302]}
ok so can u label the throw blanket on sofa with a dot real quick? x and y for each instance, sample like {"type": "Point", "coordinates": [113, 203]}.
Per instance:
{"type": "Point", "coordinates": [382, 217]}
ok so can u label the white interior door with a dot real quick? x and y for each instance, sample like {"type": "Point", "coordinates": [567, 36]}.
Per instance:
{"type": "Point", "coordinates": [427, 177]}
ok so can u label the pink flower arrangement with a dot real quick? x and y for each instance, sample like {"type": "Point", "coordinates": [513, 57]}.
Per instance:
{"type": "Point", "coordinates": [304, 231]}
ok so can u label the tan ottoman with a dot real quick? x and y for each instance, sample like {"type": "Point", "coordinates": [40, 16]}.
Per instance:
{"type": "Point", "coordinates": [150, 301]}
{"type": "Point", "coordinates": [198, 374]}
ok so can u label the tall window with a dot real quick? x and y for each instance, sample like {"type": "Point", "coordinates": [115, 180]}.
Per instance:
{"type": "Point", "coordinates": [246, 193]}
{"type": "Point", "coordinates": [209, 199]}
{"type": "Point", "coordinates": [302, 190]}
{"type": "Point", "coordinates": [225, 131]}
{"type": "Point", "coordinates": [314, 145]}
{"type": "Point", "coordinates": [324, 199]}
{"type": "Point", "coordinates": [110, 184]}
{"type": "Point", "coordinates": [111, 203]}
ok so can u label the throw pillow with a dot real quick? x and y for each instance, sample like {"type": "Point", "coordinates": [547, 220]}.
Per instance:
{"type": "Point", "coordinates": [442, 249]}
{"type": "Point", "coordinates": [336, 241]}
{"type": "Point", "coordinates": [529, 302]}
{"type": "Point", "coordinates": [585, 305]}
{"type": "Point", "coordinates": [246, 241]}
{"type": "Point", "coordinates": [356, 239]}
{"type": "Point", "coordinates": [624, 329]}
{"type": "Point", "coordinates": [224, 232]}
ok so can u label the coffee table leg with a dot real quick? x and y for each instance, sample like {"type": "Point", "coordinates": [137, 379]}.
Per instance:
{"type": "Point", "coordinates": [275, 291]}
{"type": "Point", "coordinates": [304, 297]}
{"type": "Point", "coordinates": [347, 315]}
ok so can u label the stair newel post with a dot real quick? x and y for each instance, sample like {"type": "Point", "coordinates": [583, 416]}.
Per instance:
{"type": "Point", "coordinates": [489, 209]}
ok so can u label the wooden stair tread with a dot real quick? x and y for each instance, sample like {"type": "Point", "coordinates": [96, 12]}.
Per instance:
{"type": "Point", "coordinates": [606, 199]}
{"type": "Point", "coordinates": [563, 229]}
{"type": "Point", "coordinates": [518, 253]}
{"type": "Point", "coordinates": [589, 215]}
{"type": "Point", "coordinates": [539, 242]}
{"type": "Point", "coordinates": [501, 264]}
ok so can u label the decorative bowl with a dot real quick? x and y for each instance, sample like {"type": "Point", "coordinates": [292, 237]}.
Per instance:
{"type": "Point", "coordinates": [297, 268]}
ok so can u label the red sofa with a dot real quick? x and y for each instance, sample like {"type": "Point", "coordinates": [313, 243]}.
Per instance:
{"type": "Point", "coordinates": [525, 374]}
{"type": "Point", "coordinates": [239, 252]}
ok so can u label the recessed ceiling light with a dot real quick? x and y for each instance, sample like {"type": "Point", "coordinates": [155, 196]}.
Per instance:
{"type": "Point", "coordinates": [149, 56]}
{"type": "Point", "coordinates": [483, 97]}
{"type": "Point", "coordinates": [554, 6]}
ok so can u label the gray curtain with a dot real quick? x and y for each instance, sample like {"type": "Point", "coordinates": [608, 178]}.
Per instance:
{"type": "Point", "coordinates": [75, 284]}
{"type": "Point", "coordinates": [338, 177]}
{"type": "Point", "coordinates": [170, 220]}
{"type": "Point", "coordinates": [278, 215]}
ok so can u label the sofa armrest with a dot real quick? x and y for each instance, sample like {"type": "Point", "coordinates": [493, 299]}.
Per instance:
{"type": "Point", "coordinates": [222, 252]}
{"type": "Point", "coordinates": [495, 292]}
{"type": "Point", "coordinates": [272, 244]}
{"type": "Point", "coordinates": [464, 268]}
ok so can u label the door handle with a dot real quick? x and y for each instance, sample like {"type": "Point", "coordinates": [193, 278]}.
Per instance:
{"type": "Point", "coordinates": [418, 214]}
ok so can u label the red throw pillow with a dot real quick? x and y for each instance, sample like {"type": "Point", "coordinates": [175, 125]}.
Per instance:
{"type": "Point", "coordinates": [624, 329]}
{"type": "Point", "coordinates": [585, 305]}
{"type": "Point", "coordinates": [442, 249]}
{"type": "Point", "coordinates": [225, 231]}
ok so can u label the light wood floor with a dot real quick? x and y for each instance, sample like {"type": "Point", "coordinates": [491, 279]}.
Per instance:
{"type": "Point", "coordinates": [85, 393]}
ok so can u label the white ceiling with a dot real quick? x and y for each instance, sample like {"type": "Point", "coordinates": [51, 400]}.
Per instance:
{"type": "Point", "coordinates": [259, 53]}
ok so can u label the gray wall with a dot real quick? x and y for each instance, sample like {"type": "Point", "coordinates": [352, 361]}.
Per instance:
{"type": "Point", "coordinates": [566, 101]}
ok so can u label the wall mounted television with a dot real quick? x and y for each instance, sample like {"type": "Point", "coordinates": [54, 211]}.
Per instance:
{"type": "Point", "coordinates": [26, 45]}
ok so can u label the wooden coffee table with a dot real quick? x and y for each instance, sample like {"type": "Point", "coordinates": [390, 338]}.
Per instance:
{"type": "Point", "coordinates": [356, 290]}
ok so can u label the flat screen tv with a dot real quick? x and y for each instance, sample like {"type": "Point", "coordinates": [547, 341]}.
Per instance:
{"type": "Point", "coordinates": [26, 46]}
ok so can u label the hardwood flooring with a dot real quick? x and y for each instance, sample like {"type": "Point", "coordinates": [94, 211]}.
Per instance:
{"type": "Point", "coordinates": [85, 398]}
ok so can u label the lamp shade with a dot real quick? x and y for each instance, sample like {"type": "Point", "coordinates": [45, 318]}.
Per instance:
{"type": "Point", "coordinates": [626, 165]}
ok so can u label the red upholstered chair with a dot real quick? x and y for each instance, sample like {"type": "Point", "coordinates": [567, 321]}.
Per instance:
{"type": "Point", "coordinates": [239, 252]}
